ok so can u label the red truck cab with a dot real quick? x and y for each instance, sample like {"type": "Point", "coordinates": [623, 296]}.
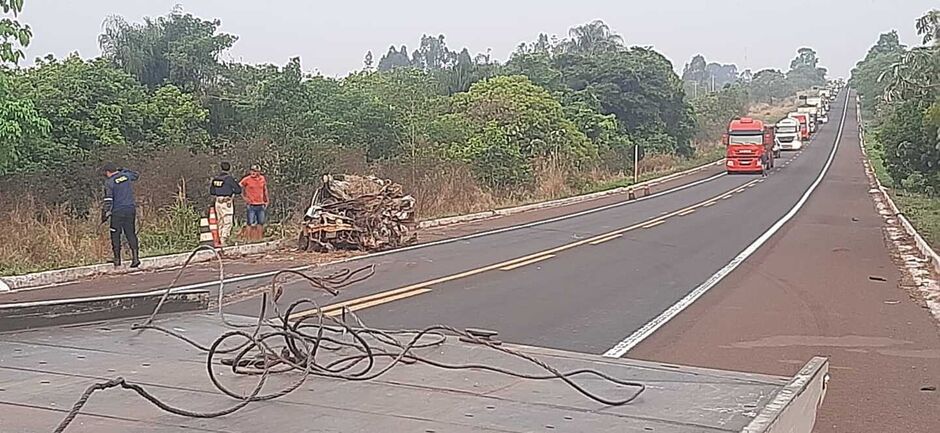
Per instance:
{"type": "Point", "coordinates": [749, 146]}
{"type": "Point", "coordinates": [803, 118]}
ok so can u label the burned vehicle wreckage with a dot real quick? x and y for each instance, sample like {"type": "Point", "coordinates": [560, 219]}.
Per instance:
{"type": "Point", "coordinates": [350, 212]}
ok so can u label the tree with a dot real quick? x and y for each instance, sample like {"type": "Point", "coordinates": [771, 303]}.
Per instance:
{"type": "Point", "coordinates": [928, 26]}
{"type": "Point", "coordinates": [770, 85]}
{"type": "Point", "coordinates": [395, 58]}
{"type": "Point", "coordinates": [14, 36]}
{"type": "Point", "coordinates": [639, 87]}
{"type": "Point", "coordinates": [433, 54]}
{"type": "Point", "coordinates": [511, 122]}
{"type": "Point", "coordinates": [804, 71]}
{"type": "Point", "coordinates": [20, 127]}
{"type": "Point", "coordinates": [701, 76]}
{"type": "Point", "coordinates": [868, 74]}
{"type": "Point", "coordinates": [177, 49]}
{"type": "Point", "coordinates": [594, 37]}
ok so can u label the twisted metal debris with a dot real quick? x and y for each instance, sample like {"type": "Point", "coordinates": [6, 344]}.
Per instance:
{"type": "Point", "coordinates": [357, 212]}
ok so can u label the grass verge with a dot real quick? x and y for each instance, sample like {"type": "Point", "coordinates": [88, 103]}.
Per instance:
{"type": "Point", "coordinates": [922, 211]}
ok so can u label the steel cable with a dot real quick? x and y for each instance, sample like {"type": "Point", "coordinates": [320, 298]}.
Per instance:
{"type": "Point", "coordinates": [321, 345]}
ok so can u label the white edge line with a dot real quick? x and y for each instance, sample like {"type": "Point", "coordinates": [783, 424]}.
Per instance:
{"type": "Point", "coordinates": [650, 327]}
{"type": "Point", "coordinates": [450, 240]}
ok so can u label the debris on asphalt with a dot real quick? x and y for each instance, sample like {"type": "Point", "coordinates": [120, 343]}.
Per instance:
{"type": "Point", "coordinates": [350, 212]}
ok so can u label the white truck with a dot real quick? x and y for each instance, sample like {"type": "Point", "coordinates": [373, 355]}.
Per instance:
{"type": "Point", "coordinates": [812, 114]}
{"type": "Point", "coordinates": [787, 132]}
{"type": "Point", "coordinates": [819, 103]}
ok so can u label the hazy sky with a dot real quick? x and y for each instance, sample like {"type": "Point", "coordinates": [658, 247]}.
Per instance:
{"type": "Point", "coordinates": [333, 36]}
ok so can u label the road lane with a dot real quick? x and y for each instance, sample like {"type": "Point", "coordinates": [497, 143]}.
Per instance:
{"type": "Point", "coordinates": [587, 298]}
{"type": "Point", "coordinates": [827, 285]}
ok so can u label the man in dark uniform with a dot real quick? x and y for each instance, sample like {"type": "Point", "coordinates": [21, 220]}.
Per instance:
{"type": "Point", "coordinates": [120, 207]}
{"type": "Point", "coordinates": [223, 187]}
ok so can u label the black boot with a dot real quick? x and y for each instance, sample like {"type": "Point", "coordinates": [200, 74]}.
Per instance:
{"type": "Point", "coordinates": [117, 258]}
{"type": "Point", "coordinates": [135, 259]}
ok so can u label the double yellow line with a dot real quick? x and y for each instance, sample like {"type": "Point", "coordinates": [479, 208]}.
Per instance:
{"type": "Point", "coordinates": [424, 287]}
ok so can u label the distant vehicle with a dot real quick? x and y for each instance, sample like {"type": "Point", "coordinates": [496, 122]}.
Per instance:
{"type": "Point", "coordinates": [750, 146]}
{"type": "Point", "coordinates": [821, 109]}
{"type": "Point", "coordinates": [810, 112]}
{"type": "Point", "coordinates": [803, 118]}
{"type": "Point", "coordinates": [787, 134]}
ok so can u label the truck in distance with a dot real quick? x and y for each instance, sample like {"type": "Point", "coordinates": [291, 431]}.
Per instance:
{"type": "Point", "coordinates": [804, 119]}
{"type": "Point", "coordinates": [787, 134]}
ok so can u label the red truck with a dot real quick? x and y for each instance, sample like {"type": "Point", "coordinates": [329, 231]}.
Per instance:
{"type": "Point", "coordinates": [803, 118]}
{"type": "Point", "coordinates": [750, 146]}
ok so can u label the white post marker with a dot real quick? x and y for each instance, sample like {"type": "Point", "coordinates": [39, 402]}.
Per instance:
{"type": "Point", "coordinates": [650, 327]}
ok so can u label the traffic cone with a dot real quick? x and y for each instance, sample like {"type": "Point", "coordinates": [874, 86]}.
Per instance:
{"type": "Point", "coordinates": [214, 228]}
{"type": "Point", "coordinates": [205, 234]}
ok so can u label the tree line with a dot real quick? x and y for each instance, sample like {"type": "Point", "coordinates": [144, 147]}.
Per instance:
{"type": "Point", "coordinates": [900, 91]}
{"type": "Point", "coordinates": [580, 103]}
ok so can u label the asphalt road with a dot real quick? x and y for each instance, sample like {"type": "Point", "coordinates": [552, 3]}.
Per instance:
{"type": "Point", "coordinates": [583, 282]}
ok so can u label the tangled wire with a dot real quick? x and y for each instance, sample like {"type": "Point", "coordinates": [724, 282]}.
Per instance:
{"type": "Point", "coordinates": [320, 345]}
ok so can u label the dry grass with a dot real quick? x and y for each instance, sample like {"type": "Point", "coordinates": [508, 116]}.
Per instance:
{"type": "Point", "coordinates": [772, 113]}
{"type": "Point", "coordinates": [42, 236]}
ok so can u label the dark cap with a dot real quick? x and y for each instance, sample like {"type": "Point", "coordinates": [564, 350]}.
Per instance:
{"type": "Point", "coordinates": [226, 166]}
{"type": "Point", "coordinates": [109, 167]}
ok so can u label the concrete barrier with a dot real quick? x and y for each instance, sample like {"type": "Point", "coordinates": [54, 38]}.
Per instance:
{"type": "Point", "coordinates": [60, 276]}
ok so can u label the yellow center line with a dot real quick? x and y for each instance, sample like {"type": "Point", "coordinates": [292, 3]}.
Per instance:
{"type": "Point", "coordinates": [370, 304]}
{"type": "Point", "coordinates": [607, 239]}
{"type": "Point", "coordinates": [649, 226]}
{"type": "Point", "coordinates": [392, 295]}
{"type": "Point", "coordinates": [527, 262]}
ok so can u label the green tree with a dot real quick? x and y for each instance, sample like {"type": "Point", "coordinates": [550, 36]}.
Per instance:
{"type": "Point", "coordinates": [868, 74]}
{"type": "Point", "coordinates": [640, 87]}
{"type": "Point", "coordinates": [395, 58]}
{"type": "Point", "coordinates": [20, 127]}
{"type": "Point", "coordinates": [592, 38]}
{"type": "Point", "coordinates": [770, 85]}
{"type": "Point", "coordinates": [928, 26]}
{"type": "Point", "coordinates": [805, 71]}
{"type": "Point", "coordinates": [14, 36]}
{"type": "Point", "coordinates": [178, 49]}
{"type": "Point", "coordinates": [513, 121]}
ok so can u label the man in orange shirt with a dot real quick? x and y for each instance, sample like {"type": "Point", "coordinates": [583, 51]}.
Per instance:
{"type": "Point", "coordinates": [255, 192]}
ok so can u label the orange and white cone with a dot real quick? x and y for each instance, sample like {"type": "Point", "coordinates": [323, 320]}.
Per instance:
{"type": "Point", "coordinates": [214, 228]}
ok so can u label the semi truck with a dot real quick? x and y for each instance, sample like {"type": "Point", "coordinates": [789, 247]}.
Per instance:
{"type": "Point", "coordinates": [787, 134]}
{"type": "Point", "coordinates": [820, 111]}
{"type": "Point", "coordinates": [803, 118]}
{"type": "Point", "coordinates": [811, 119]}
{"type": "Point", "coordinates": [750, 146]}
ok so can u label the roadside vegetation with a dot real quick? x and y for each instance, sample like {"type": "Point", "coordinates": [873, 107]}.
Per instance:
{"type": "Point", "coordinates": [900, 91]}
{"type": "Point", "coordinates": [463, 132]}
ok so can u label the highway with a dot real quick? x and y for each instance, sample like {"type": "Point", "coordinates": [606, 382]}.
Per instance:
{"type": "Point", "coordinates": [582, 282]}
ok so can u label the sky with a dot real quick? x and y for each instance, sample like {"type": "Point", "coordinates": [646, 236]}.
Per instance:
{"type": "Point", "coordinates": [332, 37]}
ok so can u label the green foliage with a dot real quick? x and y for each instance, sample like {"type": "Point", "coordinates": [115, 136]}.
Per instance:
{"type": "Point", "coordinates": [900, 90]}
{"type": "Point", "coordinates": [20, 124]}
{"type": "Point", "coordinates": [13, 35]}
{"type": "Point", "coordinates": [699, 76]}
{"type": "Point", "coordinates": [640, 88]}
{"type": "Point", "coordinates": [593, 38]}
{"type": "Point", "coordinates": [804, 71]}
{"type": "Point", "coordinates": [511, 122]}
{"type": "Point", "coordinates": [178, 49]}
{"type": "Point", "coordinates": [713, 111]}
{"type": "Point", "coordinates": [867, 77]}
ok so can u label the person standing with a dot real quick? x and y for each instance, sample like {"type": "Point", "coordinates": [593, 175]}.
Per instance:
{"type": "Point", "coordinates": [119, 206]}
{"type": "Point", "coordinates": [255, 192]}
{"type": "Point", "coordinates": [223, 187]}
